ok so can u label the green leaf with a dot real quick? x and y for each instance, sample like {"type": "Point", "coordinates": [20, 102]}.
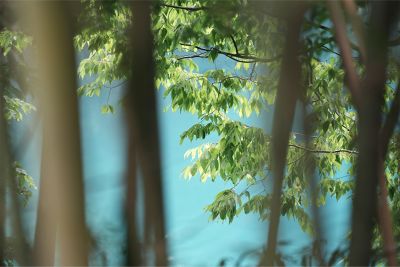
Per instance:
{"type": "Point", "coordinates": [213, 54]}
{"type": "Point", "coordinates": [107, 109]}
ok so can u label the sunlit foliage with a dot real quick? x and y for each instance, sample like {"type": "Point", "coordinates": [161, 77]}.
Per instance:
{"type": "Point", "coordinates": [239, 34]}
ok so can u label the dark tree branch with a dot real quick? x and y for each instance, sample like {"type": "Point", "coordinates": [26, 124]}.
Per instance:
{"type": "Point", "coordinates": [358, 27]}
{"type": "Point", "coordinates": [323, 151]}
{"type": "Point", "coordinates": [242, 61]}
{"type": "Point", "coordinates": [200, 55]}
{"type": "Point", "coordinates": [330, 50]}
{"type": "Point", "coordinates": [252, 59]}
{"type": "Point", "coordinates": [234, 44]}
{"type": "Point", "coordinates": [190, 9]}
{"type": "Point", "coordinates": [370, 163]}
{"type": "Point", "coordinates": [353, 80]}
{"type": "Point", "coordinates": [253, 68]}
{"type": "Point", "coordinates": [345, 50]}
{"type": "Point", "coordinates": [390, 122]}
{"type": "Point", "coordinates": [384, 215]}
{"type": "Point", "coordinates": [115, 86]}
{"type": "Point", "coordinates": [385, 220]}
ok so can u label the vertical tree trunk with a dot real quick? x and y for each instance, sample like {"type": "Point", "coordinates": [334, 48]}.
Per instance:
{"type": "Point", "coordinates": [62, 194]}
{"type": "Point", "coordinates": [369, 112]}
{"type": "Point", "coordinates": [143, 110]}
{"type": "Point", "coordinates": [3, 159]}
{"type": "Point", "coordinates": [384, 213]}
{"type": "Point", "coordinates": [134, 255]}
{"type": "Point", "coordinates": [288, 92]}
{"type": "Point", "coordinates": [46, 222]}
{"type": "Point", "coordinates": [4, 168]}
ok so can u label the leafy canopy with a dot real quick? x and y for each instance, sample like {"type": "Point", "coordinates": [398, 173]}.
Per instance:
{"type": "Point", "coordinates": [248, 38]}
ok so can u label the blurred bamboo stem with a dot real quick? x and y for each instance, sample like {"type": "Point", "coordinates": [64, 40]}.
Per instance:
{"type": "Point", "coordinates": [62, 194]}
{"type": "Point", "coordinates": [369, 162]}
{"type": "Point", "coordinates": [309, 169]}
{"type": "Point", "coordinates": [385, 222]}
{"type": "Point", "coordinates": [143, 111]}
{"type": "Point", "coordinates": [345, 50]}
{"type": "Point", "coordinates": [358, 27]}
{"type": "Point", "coordinates": [134, 251]}
{"type": "Point", "coordinates": [287, 95]}
{"type": "Point", "coordinates": [3, 168]}
{"type": "Point", "coordinates": [384, 214]}
{"type": "Point", "coordinates": [383, 209]}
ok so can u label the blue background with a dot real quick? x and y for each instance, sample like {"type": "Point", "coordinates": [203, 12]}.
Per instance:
{"type": "Point", "coordinates": [193, 239]}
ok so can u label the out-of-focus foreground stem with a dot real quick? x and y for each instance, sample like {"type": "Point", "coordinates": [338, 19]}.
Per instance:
{"type": "Point", "coordinates": [61, 201]}
{"type": "Point", "coordinates": [142, 110]}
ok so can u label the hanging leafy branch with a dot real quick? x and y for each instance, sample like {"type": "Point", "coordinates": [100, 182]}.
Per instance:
{"type": "Point", "coordinates": [12, 45]}
{"type": "Point", "coordinates": [245, 36]}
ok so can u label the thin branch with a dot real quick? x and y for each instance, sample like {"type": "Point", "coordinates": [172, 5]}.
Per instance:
{"type": "Point", "coordinates": [330, 50]}
{"type": "Point", "coordinates": [323, 151]}
{"type": "Point", "coordinates": [253, 68]}
{"type": "Point", "coordinates": [330, 30]}
{"type": "Point", "coordinates": [200, 55]}
{"type": "Point", "coordinates": [108, 97]}
{"type": "Point", "coordinates": [115, 86]}
{"type": "Point", "coordinates": [187, 8]}
{"type": "Point", "coordinates": [296, 160]}
{"type": "Point", "coordinates": [234, 77]}
{"type": "Point", "coordinates": [236, 57]}
{"type": "Point", "coordinates": [241, 61]}
{"type": "Point", "coordinates": [234, 44]}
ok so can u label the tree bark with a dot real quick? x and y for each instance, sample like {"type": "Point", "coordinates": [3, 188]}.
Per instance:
{"type": "Point", "coordinates": [62, 193]}
{"type": "Point", "coordinates": [369, 113]}
{"type": "Point", "coordinates": [143, 110]}
{"type": "Point", "coordinates": [288, 92]}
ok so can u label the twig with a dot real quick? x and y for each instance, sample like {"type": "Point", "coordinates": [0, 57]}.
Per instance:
{"type": "Point", "coordinates": [200, 55]}
{"type": "Point", "coordinates": [236, 57]}
{"type": "Point", "coordinates": [323, 151]}
{"type": "Point", "coordinates": [234, 44]}
{"type": "Point", "coordinates": [187, 8]}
